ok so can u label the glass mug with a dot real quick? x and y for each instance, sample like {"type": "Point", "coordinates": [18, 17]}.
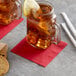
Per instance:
{"type": "Point", "coordinates": [9, 11]}
{"type": "Point", "coordinates": [43, 31]}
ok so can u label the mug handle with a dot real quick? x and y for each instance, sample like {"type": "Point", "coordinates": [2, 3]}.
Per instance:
{"type": "Point", "coordinates": [19, 9]}
{"type": "Point", "coordinates": [58, 33]}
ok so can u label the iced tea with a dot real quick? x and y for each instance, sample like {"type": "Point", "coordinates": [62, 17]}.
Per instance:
{"type": "Point", "coordinates": [41, 30]}
{"type": "Point", "coordinates": [8, 11]}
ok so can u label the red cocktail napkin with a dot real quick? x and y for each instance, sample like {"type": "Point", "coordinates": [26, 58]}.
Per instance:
{"type": "Point", "coordinates": [41, 57]}
{"type": "Point", "coordinates": [5, 29]}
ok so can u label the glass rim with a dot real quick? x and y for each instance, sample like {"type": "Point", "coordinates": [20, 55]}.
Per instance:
{"type": "Point", "coordinates": [47, 3]}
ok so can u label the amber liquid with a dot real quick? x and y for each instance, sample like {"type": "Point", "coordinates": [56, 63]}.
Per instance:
{"type": "Point", "coordinates": [41, 30]}
{"type": "Point", "coordinates": [8, 11]}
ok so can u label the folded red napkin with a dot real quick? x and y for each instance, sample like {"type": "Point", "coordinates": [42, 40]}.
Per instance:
{"type": "Point", "coordinates": [5, 29]}
{"type": "Point", "coordinates": [41, 57]}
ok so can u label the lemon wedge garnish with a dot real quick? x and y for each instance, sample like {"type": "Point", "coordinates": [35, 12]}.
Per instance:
{"type": "Point", "coordinates": [30, 5]}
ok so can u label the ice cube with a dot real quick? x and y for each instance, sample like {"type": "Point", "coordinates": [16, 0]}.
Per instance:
{"type": "Point", "coordinates": [6, 7]}
{"type": "Point", "coordinates": [32, 37]}
{"type": "Point", "coordinates": [4, 19]}
{"type": "Point", "coordinates": [4, 1]}
{"type": "Point", "coordinates": [3, 7]}
{"type": "Point", "coordinates": [43, 43]}
{"type": "Point", "coordinates": [43, 26]}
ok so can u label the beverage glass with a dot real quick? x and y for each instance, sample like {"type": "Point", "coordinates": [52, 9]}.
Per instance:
{"type": "Point", "coordinates": [9, 11]}
{"type": "Point", "coordinates": [43, 30]}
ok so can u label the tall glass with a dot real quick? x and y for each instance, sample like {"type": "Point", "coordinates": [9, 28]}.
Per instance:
{"type": "Point", "coordinates": [43, 30]}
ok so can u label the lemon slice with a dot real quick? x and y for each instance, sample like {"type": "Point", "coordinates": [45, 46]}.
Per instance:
{"type": "Point", "coordinates": [30, 5]}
